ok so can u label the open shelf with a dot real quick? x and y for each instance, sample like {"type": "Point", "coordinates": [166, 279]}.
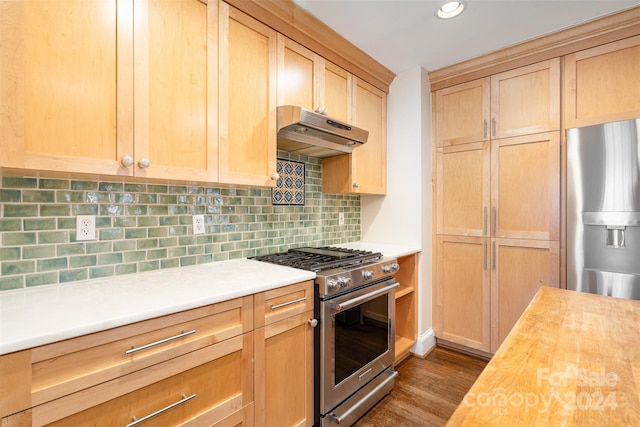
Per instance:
{"type": "Point", "coordinates": [406, 303]}
{"type": "Point", "coordinates": [403, 345]}
{"type": "Point", "coordinates": [403, 292]}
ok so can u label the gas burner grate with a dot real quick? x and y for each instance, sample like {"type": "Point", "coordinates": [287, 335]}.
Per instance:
{"type": "Point", "coordinates": [320, 259]}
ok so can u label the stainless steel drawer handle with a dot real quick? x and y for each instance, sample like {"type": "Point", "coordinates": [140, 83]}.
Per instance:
{"type": "Point", "coordinates": [137, 421]}
{"type": "Point", "coordinates": [284, 304]}
{"type": "Point", "coordinates": [354, 409]}
{"type": "Point", "coordinates": [175, 337]}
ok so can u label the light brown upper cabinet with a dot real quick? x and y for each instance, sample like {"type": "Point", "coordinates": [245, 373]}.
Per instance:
{"type": "Point", "coordinates": [522, 101]}
{"type": "Point", "coordinates": [308, 80]}
{"type": "Point", "coordinates": [299, 75]}
{"type": "Point", "coordinates": [601, 84]}
{"type": "Point", "coordinates": [66, 85]}
{"type": "Point", "coordinates": [526, 100]}
{"type": "Point", "coordinates": [364, 171]}
{"type": "Point", "coordinates": [462, 113]}
{"type": "Point", "coordinates": [175, 90]}
{"type": "Point", "coordinates": [337, 93]}
{"type": "Point", "coordinates": [75, 85]}
{"type": "Point", "coordinates": [247, 127]}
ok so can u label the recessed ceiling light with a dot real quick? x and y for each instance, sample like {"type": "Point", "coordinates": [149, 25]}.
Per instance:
{"type": "Point", "coordinates": [450, 10]}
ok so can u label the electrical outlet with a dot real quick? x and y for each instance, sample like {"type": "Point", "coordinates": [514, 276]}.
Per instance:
{"type": "Point", "coordinates": [198, 224]}
{"type": "Point", "coordinates": [341, 218]}
{"type": "Point", "coordinates": [85, 227]}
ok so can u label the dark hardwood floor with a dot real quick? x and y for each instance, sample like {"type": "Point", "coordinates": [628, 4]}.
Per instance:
{"type": "Point", "coordinates": [426, 391]}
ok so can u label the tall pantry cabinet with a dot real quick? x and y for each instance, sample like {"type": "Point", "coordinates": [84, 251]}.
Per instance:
{"type": "Point", "coordinates": [497, 197]}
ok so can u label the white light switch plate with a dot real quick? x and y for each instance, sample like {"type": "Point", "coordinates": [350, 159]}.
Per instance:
{"type": "Point", "coordinates": [341, 218]}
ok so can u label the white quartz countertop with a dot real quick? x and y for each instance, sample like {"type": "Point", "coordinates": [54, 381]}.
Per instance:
{"type": "Point", "coordinates": [388, 250]}
{"type": "Point", "coordinates": [38, 316]}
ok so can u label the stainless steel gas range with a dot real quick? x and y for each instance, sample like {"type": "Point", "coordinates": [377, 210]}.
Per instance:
{"type": "Point", "coordinates": [355, 337]}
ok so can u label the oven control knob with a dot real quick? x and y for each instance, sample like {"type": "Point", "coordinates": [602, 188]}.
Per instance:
{"type": "Point", "coordinates": [367, 274]}
{"type": "Point", "coordinates": [344, 281]}
{"type": "Point", "coordinates": [333, 284]}
{"type": "Point", "coordinates": [390, 268]}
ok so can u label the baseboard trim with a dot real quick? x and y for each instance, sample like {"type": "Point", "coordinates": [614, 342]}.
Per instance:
{"type": "Point", "coordinates": [424, 344]}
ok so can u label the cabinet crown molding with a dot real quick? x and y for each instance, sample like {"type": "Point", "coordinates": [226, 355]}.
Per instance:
{"type": "Point", "coordinates": [606, 29]}
{"type": "Point", "coordinates": [289, 19]}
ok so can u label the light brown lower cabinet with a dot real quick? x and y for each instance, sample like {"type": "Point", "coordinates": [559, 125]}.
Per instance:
{"type": "Point", "coordinates": [284, 356]}
{"type": "Point", "coordinates": [201, 389]}
{"type": "Point", "coordinates": [483, 285]}
{"type": "Point", "coordinates": [200, 367]}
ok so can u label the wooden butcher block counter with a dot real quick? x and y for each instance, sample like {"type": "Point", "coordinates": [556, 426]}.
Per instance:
{"type": "Point", "coordinates": [573, 359]}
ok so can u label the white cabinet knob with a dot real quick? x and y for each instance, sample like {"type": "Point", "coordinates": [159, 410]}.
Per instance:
{"type": "Point", "coordinates": [144, 163]}
{"type": "Point", "coordinates": [275, 176]}
{"type": "Point", "coordinates": [127, 161]}
{"type": "Point", "coordinates": [356, 185]}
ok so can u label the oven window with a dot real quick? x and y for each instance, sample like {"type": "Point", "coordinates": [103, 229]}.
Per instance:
{"type": "Point", "coordinates": [361, 335]}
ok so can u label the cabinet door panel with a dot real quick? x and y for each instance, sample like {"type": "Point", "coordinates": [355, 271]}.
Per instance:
{"type": "Point", "coordinates": [463, 291]}
{"type": "Point", "coordinates": [298, 74]}
{"type": "Point", "coordinates": [284, 372]}
{"type": "Point", "coordinates": [601, 84]}
{"type": "Point", "coordinates": [220, 376]}
{"type": "Point", "coordinates": [68, 366]}
{"type": "Point", "coordinates": [526, 100]}
{"type": "Point", "coordinates": [58, 85]}
{"type": "Point", "coordinates": [463, 184]}
{"type": "Point", "coordinates": [176, 88]}
{"type": "Point", "coordinates": [462, 113]}
{"type": "Point", "coordinates": [369, 165]}
{"type": "Point", "coordinates": [247, 127]}
{"type": "Point", "coordinates": [521, 267]}
{"type": "Point", "coordinates": [525, 187]}
{"type": "Point", "coordinates": [337, 92]}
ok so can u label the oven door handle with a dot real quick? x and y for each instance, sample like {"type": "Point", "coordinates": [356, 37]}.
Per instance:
{"type": "Point", "coordinates": [339, 306]}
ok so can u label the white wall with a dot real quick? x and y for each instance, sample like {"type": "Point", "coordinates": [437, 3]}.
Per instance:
{"type": "Point", "coordinates": [403, 216]}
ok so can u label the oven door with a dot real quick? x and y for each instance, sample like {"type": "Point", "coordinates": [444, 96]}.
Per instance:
{"type": "Point", "coordinates": [357, 340]}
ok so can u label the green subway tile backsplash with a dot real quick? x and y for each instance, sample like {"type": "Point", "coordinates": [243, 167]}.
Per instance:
{"type": "Point", "coordinates": [145, 227]}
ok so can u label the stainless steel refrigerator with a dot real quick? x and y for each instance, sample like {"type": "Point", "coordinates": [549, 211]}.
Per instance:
{"type": "Point", "coordinates": [603, 209]}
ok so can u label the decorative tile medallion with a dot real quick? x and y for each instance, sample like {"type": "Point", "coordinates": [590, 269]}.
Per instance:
{"type": "Point", "coordinates": [289, 189]}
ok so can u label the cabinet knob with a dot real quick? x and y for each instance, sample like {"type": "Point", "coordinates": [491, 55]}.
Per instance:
{"type": "Point", "coordinates": [356, 185]}
{"type": "Point", "coordinates": [275, 176]}
{"type": "Point", "coordinates": [313, 322]}
{"type": "Point", "coordinates": [127, 161]}
{"type": "Point", "coordinates": [144, 163]}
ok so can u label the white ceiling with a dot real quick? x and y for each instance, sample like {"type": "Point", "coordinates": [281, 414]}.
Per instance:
{"type": "Point", "coordinates": [402, 34]}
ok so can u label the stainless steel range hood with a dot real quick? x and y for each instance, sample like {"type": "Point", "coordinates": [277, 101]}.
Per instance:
{"type": "Point", "coordinates": [302, 131]}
